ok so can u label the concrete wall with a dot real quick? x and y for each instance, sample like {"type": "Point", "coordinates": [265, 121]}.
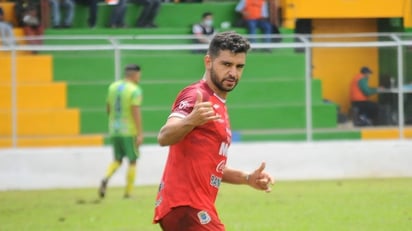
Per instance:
{"type": "Point", "coordinates": [83, 167]}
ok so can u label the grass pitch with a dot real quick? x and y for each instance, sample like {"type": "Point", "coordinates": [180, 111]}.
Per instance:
{"type": "Point", "coordinates": [365, 205]}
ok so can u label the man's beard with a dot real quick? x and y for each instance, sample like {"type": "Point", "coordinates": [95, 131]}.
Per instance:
{"type": "Point", "coordinates": [220, 85]}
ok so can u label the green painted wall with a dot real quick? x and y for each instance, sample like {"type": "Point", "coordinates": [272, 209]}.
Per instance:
{"type": "Point", "coordinates": [388, 57]}
{"type": "Point", "coordinates": [270, 96]}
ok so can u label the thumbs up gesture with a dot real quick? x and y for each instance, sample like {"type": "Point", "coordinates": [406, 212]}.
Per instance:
{"type": "Point", "coordinates": [261, 180]}
{"type": "Point", "coordinates": [202, 112]}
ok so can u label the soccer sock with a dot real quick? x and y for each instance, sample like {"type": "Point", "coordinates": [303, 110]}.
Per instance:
{"type": "Point", "coordinates": [112, 168]}
{"type": "Point", "coordinates": [131, 175]}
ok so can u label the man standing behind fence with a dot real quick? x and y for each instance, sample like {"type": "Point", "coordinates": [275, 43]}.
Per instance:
{"type": "Point", "coordinates": [256, 15]}
{"type": "Point", "coordinates": [125, 125]}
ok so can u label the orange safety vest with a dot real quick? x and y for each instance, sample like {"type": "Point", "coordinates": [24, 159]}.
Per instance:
{"type": "Point", "coordinates": [356, 93]}
{"type": "Point", "coordinates": [253, 9]}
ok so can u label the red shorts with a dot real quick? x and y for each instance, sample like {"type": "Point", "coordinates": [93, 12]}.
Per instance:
{"type": "Point", "coordinates": [185, 218]}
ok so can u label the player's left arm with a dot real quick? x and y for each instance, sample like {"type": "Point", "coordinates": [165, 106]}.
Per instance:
{"type": "Point", "coordinates": [108, 101]}
{"type": "Point", "coordinates": [108, 108]}
{"type": "Point", "coordinates": [137, 115]}
{"type": "Point", "coordinates": [258, 179]}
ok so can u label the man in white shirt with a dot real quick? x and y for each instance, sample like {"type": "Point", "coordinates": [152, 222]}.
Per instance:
{"type": "Point", "coordinates": [204, 30]}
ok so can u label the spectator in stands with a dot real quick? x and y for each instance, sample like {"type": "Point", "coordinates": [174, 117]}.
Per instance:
{"type": "Point", "coordinates": [28, 17]}
{"type": "Point", "coordinates": [145, 19]}
{"type": "Point", "coordinates": [6, 31]}
{"type": "Point", "coordinates": [186, 1]}
{"type": "Point", "coordinates": [118, 13]}
{"type": "Point", "coordinates": [274, 19]}
{"type": "Point", "coordinates": [56, 7]}
{"type": "Point", "coordinates": [256, 15]}
{"type": "Point", "coordinates": [367, 110]}
{"type": "Point", "coordinates": [91, 21]}
{"type": "Point", "coordinates": [149, 13]}
{"type": "Point", "coordinates": [204, 30]}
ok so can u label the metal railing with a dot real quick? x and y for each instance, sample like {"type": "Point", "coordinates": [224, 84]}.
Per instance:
{"type": "Point", "coordinates": [119, 44]}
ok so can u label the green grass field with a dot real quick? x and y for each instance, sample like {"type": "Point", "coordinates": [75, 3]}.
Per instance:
{"type": "Point", "coordinates": [365, 205]}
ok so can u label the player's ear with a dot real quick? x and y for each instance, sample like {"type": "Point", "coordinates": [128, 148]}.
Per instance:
{"type": "Point", "coordinates": [208, 61]}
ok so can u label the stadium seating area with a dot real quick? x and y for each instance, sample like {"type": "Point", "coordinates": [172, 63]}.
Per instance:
{"type": "Point", "coordinates": [61, 98]}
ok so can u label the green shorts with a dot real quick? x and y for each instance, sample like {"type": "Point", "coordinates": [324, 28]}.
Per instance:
{"type": "Point", "coordinates": [125, 146]}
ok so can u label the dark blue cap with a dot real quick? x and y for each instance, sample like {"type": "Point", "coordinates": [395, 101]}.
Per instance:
{"type": "Point", "coordinates": [366, 70]}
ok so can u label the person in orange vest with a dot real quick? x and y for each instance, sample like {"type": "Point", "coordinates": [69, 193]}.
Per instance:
{"type": "Point", "coordinates": [256, 15]}
{"type": "Point", "coordinates": [359, 97]}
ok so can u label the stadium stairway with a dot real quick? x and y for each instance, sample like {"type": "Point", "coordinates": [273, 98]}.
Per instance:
{"type": "Point", "coordinates": [43, 118]}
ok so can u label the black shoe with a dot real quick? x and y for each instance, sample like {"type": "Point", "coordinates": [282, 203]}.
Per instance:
{"type": "Point", "coordinates": [102, 189]}
{"type": "Point", "coordinates": [150, 25]}
{"type": "Point", "coordinates": [127, 196]}
{"type": "Point", "coordinates": [139, 25]}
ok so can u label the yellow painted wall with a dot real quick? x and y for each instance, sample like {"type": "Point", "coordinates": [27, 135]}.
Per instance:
{"type": "Point", "coordinates": [345, 8]}
{"type": "Point", "coordinates": [43, 118]}
{"type": "Point", "coordinates": [384, 133]}
{"type": "Point", "coordinates": [407, 18]}
{"type": "Point", "coordinates": [48, 141]}
{"type": "Point", "coordinates": [316, 9]}
{"type": "Point", "coordinates": [42, 122]}
{"type": "Point", "coordinates": [30, 68]}
{"type": "Point", "coordinates": [337, 66]}
{"type": "Point", "coordinates": [42, 113]}
{"type": "Point", "coordinates": [35, 97]}
{"type": "Point", "coordinates": [8, 9]}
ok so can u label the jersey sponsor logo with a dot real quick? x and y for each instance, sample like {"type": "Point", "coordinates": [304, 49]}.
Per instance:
{"type": "Point", "coordinates": [158, 201]}
{"type": "Point", "coordinates": [223, 149]}
{"type": "Point", "coordinates": [204, 217]}
{"type": "Point", "coordinates": [161, 186]}
{"type": "Point", "coordinates": [221, 166]}
{"type": "Point", "coordinates": [215, 181]}
{"type": "Point", "coordinates": [229, 132]}
{"type": "Point", "coordinates": [183, 104]}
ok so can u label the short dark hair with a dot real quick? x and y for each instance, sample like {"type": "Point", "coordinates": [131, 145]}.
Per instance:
{"type": "Point", "coordinates": [206, 14]}
{"type": "Point", "coordinates": [228, 40]}
{"type": "Point", "coordinates": [132, 67]}
{"type": "Point", "coordinates": [366, 70]}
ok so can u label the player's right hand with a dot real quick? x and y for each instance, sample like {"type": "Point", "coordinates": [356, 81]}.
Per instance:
{"type": "Point", "coordinates": [202, 112]}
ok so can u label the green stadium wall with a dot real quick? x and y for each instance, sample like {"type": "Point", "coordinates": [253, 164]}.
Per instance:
{"type": "Point", "coordinates": [270, 97]}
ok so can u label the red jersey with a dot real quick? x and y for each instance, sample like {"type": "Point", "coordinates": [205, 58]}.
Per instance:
{"type": "Point", "coordinates": [194, 168]}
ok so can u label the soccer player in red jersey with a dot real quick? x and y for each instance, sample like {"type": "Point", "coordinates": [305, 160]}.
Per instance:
{"type": "Point", "coordinates": [198, 133]}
